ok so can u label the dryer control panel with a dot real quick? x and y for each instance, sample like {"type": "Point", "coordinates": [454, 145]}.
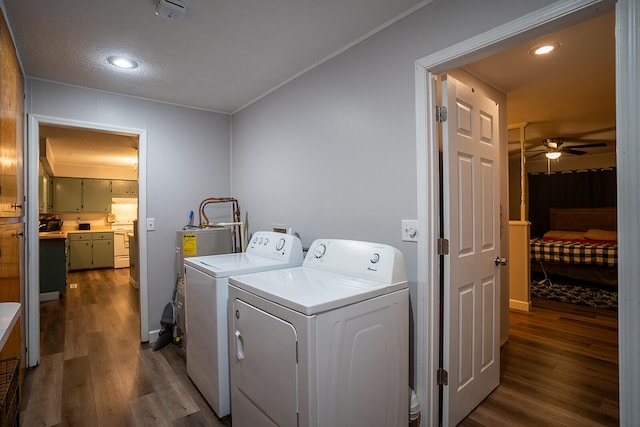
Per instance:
{"type": "Point", "coordinates": [279, 246]}
{"type": "Point", "coordinates": [365, 260]}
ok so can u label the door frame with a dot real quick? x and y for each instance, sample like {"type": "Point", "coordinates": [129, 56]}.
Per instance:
{"type": "Point", "coordinates": [32, 257]}
{"type": "Point", "coordinates": [550, 18]}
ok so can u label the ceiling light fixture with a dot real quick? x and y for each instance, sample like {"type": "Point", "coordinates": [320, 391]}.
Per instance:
{"type": "Point", "coordinates": [122, 62]}
{"type": "Point", "coordinates": [544, 48]}
{"type": "Point", "coordinates": [553, 155]}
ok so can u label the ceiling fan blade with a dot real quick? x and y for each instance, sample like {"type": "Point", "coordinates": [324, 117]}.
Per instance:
{"type": "Point", "coordinates": [572, 151]}
{"type": "Point", "coordinates": [595, 144]}
{"type": "Point", "coordinates": [537, 154]}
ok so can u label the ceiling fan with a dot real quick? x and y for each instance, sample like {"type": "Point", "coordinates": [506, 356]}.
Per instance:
{"type": "Point", "coordinates": [555, 148]}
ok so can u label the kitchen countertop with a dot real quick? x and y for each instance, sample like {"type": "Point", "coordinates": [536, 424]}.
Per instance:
{"type": "Point", "coordinates": [62, 234]}
{"type": "Point", "coordinates": [9, 314]}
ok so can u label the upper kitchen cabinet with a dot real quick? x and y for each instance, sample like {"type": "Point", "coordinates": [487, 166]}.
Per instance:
{"type": "Point", "coordinates": [124, 188]}
{"type": "Point", "coordinates": [11, 128]}
{"type": "Point", "coordinates": [81, 195]}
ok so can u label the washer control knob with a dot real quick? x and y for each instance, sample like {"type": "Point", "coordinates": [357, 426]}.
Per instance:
{"type": "Point", "coordinates": [266, 241]}
{"type": "Point", "coordinates": [280, 244]}
{"type": "Point", "coordinates": [320, 250]}
{"type": "Point", "coordinates": [375, 258]}
{"type": "Point", "coordinates": [260, 241]}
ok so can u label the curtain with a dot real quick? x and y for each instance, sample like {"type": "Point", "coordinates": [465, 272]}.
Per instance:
{"type": "Point", "coordinates": [568, 189]}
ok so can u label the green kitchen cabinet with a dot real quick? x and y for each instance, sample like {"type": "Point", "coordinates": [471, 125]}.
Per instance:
{"type": "Point", "coordinates": [81, 195]}
{"type": "Point", "coordinates": [90, 250]}
{"type": "Point", "coordinates": [124, 188]}
{"type": "Point", "coordinates": [67, 194]}
{"type": "Point", "coordinates": [80, 251]}
{"type": "Point", "coordinates": [96, 195]}
{"type": "Point", "coordinates": [102, 250]}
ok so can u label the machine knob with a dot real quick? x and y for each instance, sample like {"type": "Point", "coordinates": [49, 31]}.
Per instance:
{"type": "Point", "coordinates": [260, 240]}
{"type": "Point", "coordinates": [375, 258]}
{"type": "Point", "coordinates": [266, 241]}
{"type": "Point", "coordinates": [280, 244]}
{"type": "Point", "coordinates": [320, 250]}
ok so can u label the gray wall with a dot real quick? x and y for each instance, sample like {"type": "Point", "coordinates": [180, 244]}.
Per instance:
{"type": "Point", "coordinates": [333, 153]}
{"type": "Point", "coordinates": [187, 161]}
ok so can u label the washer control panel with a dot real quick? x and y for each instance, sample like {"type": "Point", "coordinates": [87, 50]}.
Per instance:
{"type": "Point", "coordinates": [274, 245]}
{"type": "Point", "coordinates": [366, 260]}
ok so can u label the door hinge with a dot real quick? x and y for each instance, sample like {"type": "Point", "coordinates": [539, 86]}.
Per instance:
{"type": "Point", "coordinates": [443, 246]}
{"type": "Point", "coordinates": [441, 114]}
{"type": "Point", "coordinates": [442, 377]}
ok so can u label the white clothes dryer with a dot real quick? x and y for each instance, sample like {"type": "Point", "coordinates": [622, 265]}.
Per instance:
{"type": "Point", "coordinates": [206, 287]}
{"type": "Point", "coordinates": [324, 344]}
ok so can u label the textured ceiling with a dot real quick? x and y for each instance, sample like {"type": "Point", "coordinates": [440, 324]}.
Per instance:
{"type": "Point", "coordinates": [219, 56]}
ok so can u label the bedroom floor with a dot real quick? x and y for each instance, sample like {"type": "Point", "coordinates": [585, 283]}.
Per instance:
{"type": "Point", "coordinates": [559, 368]}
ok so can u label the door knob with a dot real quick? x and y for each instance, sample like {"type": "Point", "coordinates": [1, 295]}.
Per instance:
{"type": "Point", "coordinates": [500, 261]}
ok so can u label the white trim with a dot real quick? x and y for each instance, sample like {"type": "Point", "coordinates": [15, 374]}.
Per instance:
{"type": "Point", "coordinates": [554, 16]}
{"type": "Point", "coordinates": [32, 286]}
{"type": "Point", "coordinates": [628, 159]}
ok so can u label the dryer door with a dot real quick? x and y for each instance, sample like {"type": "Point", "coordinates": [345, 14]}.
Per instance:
{"type": "Point", "coordinates": [264, 370]}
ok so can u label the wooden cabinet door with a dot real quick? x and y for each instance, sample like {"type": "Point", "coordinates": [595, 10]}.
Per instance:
{"type": "Point", "coordinates": [80, 253]}
{"type": "Point", "coordinates": [11, 128]}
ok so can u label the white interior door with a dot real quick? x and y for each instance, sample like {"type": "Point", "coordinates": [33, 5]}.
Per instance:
{"type": "Point", "coordinates": [471, 209]}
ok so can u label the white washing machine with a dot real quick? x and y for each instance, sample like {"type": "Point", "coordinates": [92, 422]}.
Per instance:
{"type": "Point", "coordinates": [206, 287]}
{"type": "Point", "coordinates": [324, 344]}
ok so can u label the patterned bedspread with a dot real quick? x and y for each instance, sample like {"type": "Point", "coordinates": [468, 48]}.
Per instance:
{"type": "Point", "coordinates": [574, 252]}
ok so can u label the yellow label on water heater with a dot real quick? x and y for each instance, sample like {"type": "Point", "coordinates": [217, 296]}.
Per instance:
{"type": "Point", "coordinates": [189, 244]}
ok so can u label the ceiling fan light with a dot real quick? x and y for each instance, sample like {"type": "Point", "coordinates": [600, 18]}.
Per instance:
{"type": "Point", "coordinates": [553, 155]}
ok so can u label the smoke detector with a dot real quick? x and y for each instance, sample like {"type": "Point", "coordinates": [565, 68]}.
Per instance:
{"type": "Point", "coordinates": [170, 9]}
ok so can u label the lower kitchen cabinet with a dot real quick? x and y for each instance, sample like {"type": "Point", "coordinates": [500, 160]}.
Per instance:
{"type": "Point", "coordinates": [90, 250]}
{"type": "Point", "coordinates": [53, 266]}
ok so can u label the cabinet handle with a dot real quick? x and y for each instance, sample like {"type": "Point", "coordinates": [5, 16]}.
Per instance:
{"type": "Point", "coordinates": [16, 206]}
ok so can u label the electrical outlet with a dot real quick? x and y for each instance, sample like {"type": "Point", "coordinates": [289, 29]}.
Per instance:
{"type": "Point", "coordinates": [409, 230]}
{"type": "Point", "coordinates": [151, 224]}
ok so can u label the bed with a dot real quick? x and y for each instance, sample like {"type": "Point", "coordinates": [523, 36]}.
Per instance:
{"type": "Point", "coordinates": [580, 245]}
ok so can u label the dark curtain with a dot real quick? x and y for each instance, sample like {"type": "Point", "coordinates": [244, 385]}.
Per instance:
{"type": "Point", "coordinates": [576, 189]}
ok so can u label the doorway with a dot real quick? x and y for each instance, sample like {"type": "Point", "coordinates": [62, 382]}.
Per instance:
{"type": "Point", "coordinates": [553, 17]}
{"type": "Point", "coordinates": [33, 160]}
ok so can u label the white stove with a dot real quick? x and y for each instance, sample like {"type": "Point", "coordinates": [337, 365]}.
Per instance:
{"type": "Point", "coordinates": [121, 243]}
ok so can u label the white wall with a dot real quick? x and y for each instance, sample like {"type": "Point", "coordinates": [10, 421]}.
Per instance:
{"type": "Point", "coordinates": [187, 161]}
{"type": "Point", "coordinates": [336, 148]}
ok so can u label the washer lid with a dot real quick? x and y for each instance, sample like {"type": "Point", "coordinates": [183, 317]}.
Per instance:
{"type": "Point", "coordinates": [224, 265]}
{"type": "Point", "coordinates": [310, 291]}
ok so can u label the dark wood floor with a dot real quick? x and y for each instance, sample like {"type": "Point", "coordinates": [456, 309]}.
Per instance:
{"type": "Point", "coordinates": [93, 370]}
{"type": "Point", "coordinates": [559, 367]}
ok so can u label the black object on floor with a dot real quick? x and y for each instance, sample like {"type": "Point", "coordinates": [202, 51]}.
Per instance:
{"type": "Point", "coordinates": [585, 294]}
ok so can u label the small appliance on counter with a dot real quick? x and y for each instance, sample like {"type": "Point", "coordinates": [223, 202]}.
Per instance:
{"type": "Point", "coordinates": [84, 226]}
{"type": "Point", "coordinates": [50, 223]}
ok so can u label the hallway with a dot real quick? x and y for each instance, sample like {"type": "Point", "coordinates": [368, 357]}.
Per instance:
{"type": "Point", "coordinates": [94, 371]}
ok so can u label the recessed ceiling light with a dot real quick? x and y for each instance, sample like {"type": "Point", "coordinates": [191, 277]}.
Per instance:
{"type": "Point", "coordinates": [122, 62]}
{"type": "Point", "coordinates": [544, 48]}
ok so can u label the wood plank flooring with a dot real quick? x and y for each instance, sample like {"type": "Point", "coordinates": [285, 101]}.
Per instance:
{"type": "Point", "coordinates": [93, 370]}
{"type": "Point", "coordinates": [559, 367]}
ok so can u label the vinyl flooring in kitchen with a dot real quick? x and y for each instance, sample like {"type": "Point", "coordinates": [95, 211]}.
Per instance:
{"type": "Point", "coordinates": [559, 367]}
{"type": "Point", "coordinates": [93, 370]}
